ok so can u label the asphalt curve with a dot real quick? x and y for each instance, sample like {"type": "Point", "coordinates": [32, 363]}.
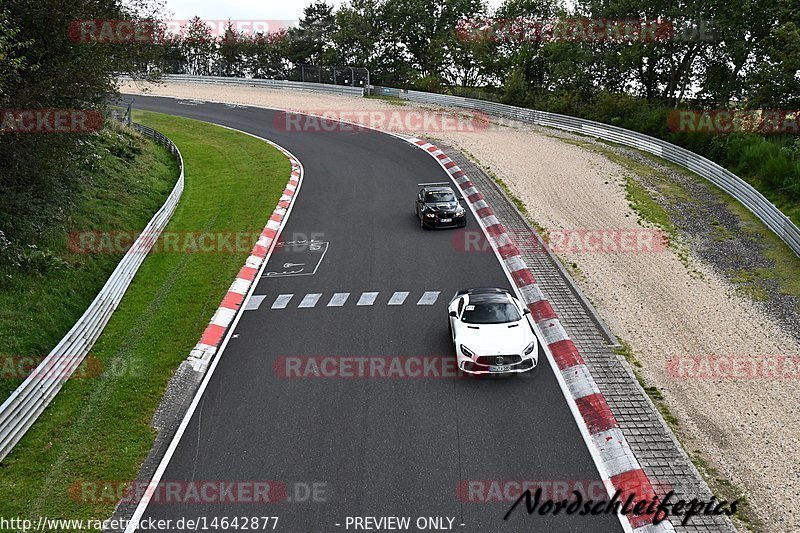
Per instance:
{"type": "Point", "coordinates": [370, 446]}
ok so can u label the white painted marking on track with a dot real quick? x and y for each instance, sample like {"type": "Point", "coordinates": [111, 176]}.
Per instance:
{"type": "Point", "coordinates": [254, 302]}
{"type": "Point", "coordinates": [367, 298]}
{"type": "Point", "coordinates": [155, 480]}
{"type": "Point", "coordinates": [282, 301]}
{"type": "Point", "coordinates": [398, 298]}
{"type": "Point", "coordinates": [429, 298]}
{"type": "Point", "coordinates": [310, 300]}
{"type": "Point", "coordinates": [338, 299]}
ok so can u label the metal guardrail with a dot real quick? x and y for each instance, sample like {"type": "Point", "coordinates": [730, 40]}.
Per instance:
{"type": "Point", "coordinates": [729, 182]}
{"type": "Point", "coordinates": [719, 176]}
{"type": "Point", "coordinates": [270, 84]}
{"type": "Point", "coordinates": [28, 401]}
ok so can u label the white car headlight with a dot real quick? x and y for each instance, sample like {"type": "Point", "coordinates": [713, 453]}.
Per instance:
{"type": "Point", "coordinates": [430, 215]}
{"type": "Point", "coordinates": [530, 347]}
{"type": "Point", "coordinates": [466, 351]}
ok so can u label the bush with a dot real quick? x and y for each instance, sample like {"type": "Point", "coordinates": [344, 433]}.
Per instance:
{"type": "Point", "coordinates": [515, 90]}
{"type": "Point", "coordinates": [431, 84]}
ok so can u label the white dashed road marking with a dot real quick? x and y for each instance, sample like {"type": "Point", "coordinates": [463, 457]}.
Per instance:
{"type": "Point", "coordinates": [254, 302]}
{"type": "Point", "coordinates": [282, 301]}
{"type": "Point", "coordinates": [338, 299]}
{"type": "Point", "coordinates": [429, 298]}
{"type": "Point", "coordinates": [398, 298]}
{"type": "Point", "coordinates": [367, 298]}
{"type": "Point", "coordinates": [310, 300]}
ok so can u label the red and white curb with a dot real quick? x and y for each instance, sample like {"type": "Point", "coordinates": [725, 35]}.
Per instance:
{"type": "Point", "coordinates": [212, 337]}
{"type": "Point", "coordinates": [219, 331]}
{"type": "Point", "coordinates": [614, 458]}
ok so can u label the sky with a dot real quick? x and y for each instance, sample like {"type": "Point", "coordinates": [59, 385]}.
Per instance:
{"type": "Point", "coordinates": [246, 9]}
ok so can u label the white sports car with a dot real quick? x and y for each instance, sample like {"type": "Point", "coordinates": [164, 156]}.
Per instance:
{"type": "Point", "coordinates": [492, 332]}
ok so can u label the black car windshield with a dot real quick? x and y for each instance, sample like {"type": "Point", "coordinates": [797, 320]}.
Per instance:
{"type": "Point", "coordinates": [439, 196]}
{"type": "Point", "coordinates": [490, 313]}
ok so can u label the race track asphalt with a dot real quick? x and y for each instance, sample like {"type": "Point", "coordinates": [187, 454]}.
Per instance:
{"type": "Point", "coordinates": [374, 446]}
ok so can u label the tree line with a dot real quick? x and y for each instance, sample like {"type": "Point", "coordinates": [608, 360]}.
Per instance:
{"type": "Point", "coordinates": [717, 52]}
{"type": "Point", "coordinates": [42, 69]}
{"type": "Point", "coordinates": [518, 53]}
{"type": "Point", "coordinates": [713, 54]}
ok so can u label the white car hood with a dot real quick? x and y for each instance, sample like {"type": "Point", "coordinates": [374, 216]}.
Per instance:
{"type": "Point", "coordinates": [495, 339]}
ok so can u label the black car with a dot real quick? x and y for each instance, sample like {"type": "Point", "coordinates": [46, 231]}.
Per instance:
{"type": "Point", "coordinates": [438, 207]}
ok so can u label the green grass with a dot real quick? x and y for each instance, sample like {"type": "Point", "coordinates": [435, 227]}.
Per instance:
{"type": "Point", "coordinates": [785, 263]}
{"type": "Point", "coordinates": [99, 429]}
{"type": "Point", "coordinates": [45, 287]}
{"type": "Point", "coordinates": [746, 282]}
{"type": "Point", "coordinates": [396, 100]}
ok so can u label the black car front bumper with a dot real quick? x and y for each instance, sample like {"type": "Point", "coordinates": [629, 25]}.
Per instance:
{"type": "Point", "coordinates": [445, 220]}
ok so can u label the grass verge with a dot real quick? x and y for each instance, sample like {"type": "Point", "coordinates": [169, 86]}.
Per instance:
{"type": "Point", "coordinates": [785, 263]}
{"type": "Point", "coordinates": [98, 429]}
{"type": "Point", "coordinates": [396, 100]}
{"type": "Point", "coordinates": [45, 286]}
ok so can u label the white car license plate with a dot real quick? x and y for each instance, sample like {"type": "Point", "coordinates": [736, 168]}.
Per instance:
{"type": "Point", "coordinates": [445, 220]}
{"type": "Point", "coordinates": [503, 368]}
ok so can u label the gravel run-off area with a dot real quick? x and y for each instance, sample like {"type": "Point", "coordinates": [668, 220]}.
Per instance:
{"type": "Point", "coordinates": [668, 306]}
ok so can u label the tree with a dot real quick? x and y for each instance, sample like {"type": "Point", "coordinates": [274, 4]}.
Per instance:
{"type": "Point", "coordinates": [311, 42]}
{"type": "Point", "coordinates": [12, 63]}
{"type": "Point", "coordinates": [427, 30]}
{"type": "Point", "coordinates": [43, 66]}
{"type": "Point", "coordinates": [265, 55]}
{"type": "Point", "coordinates": [231, 52]}
{"type": "Point", "coordinates": [363, 36]}
{"type": "Point", "coordinates": [517, 51]}
{"type": "Point", "coordinates": [198, 47]}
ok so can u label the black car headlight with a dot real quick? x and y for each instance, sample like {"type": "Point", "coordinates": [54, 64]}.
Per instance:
{"type": "Point", "coordinates": [461, 212]}
{"type": "Point", "coordinates": [530, 347]}
{"type": "Point", "coordinates": [466, 351]}
{"type": "Point", "coordinates": [430, 215]}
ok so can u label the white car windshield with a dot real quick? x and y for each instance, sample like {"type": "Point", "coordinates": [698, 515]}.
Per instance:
{"type": "Point", "coordinates": [490, 313]}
